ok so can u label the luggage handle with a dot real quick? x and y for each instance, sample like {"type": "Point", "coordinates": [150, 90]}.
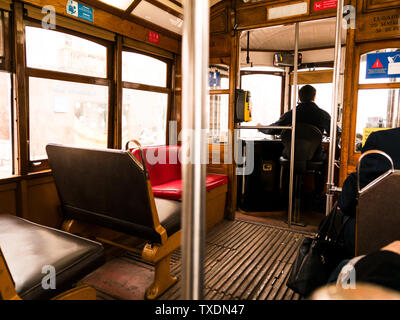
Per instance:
{"type": "Point", "coordinates": [374, 151]}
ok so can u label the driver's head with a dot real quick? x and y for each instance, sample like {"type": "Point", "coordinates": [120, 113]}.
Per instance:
{"type": "Point", "coordinates": [307, 93]}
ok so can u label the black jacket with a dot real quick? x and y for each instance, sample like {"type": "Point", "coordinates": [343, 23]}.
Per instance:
{"type": "Point", "coordinates": [372, 166]}
{"type": "Point", "coordinates": [381, 268]}
{"type": "Point", "coordinates": [308, 113]}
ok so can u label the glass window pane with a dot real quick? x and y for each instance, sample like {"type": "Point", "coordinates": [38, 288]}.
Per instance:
{"type": "Point", "coordinates": [265, 98]}
{"type": "Point", "coordinates": [144, 117]}
{"type": "Point", "coordinates": [69, 113]}
{"type": "Point", "coordinates": [219, 115]}
{"type": "Point", "coordinates": [378, 108]}
{"type": "Point", "coordinates": [380, 67]}
{"type": "Point", "coordinates": [323, 97]}
{"type": "Point", "coordinates": [5, 132]}
{"type": "Point", "coordinates": [139, 68]}
{"type": "Point", "coordinates": [52, 50]}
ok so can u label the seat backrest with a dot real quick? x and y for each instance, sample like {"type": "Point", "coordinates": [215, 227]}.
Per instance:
{"type": "Point", "coordinates": [308, 138]}
{"type": "Point", "coordinates": [105, 187]}
{"type": "Point", "coordinates": [162, 163]}
{"type": "Point", "coordinates": [378, 215]}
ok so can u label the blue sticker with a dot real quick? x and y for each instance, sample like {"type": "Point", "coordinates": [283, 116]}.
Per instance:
{"type": "Point", "coordinates": [214, 79]}
{"type": "Point", "coordinates": [383, 65]}
{"type": "Point", "coordinates": [79, 10]}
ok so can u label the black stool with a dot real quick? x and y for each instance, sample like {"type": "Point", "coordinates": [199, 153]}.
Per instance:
{"type": "Point", "coordinates": [308, 138]}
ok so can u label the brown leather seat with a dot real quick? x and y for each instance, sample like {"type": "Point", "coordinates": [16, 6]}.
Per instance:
{"type": "Point", "coordinates": [111, 188]}
{"type": "Point", "coordinates": [378, 216]}
{"type": "Point", "coordinates": [28, 247]}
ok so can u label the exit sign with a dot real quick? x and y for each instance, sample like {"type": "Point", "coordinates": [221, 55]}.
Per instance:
{"type": "Point", "coordinates": [325, 5]}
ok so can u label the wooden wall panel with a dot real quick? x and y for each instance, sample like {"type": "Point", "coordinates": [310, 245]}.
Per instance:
{"type": "Point", "coordinates": [43, 202]}
{"type": "Point", "coordinates": [378, 25]}
{"type": "Point", "coordinates": [8, 198]}
{"type": "Point", "coordinates": [375, 5]}
{"type": "Point", "coordinates": [115, 24]}
{"type": "Point", "coordinates": [254, 15]}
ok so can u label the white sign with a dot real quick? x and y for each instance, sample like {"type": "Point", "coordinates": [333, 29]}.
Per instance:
{"type": "Point", "coordinates": [290, 10]}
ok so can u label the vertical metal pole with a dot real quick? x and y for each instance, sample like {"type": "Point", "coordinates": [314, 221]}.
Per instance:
{"type": "Point", "coordinates": [195, 46]}
{"type": "Point", "coordinates": [294, 103]}
{"type": "Point", "coordinates": [335, 93]}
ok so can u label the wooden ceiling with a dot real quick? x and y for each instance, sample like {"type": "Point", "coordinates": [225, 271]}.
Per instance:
{"type": "Point", "coordinates": [165, 14]}
{"type": "Point", "coordinates": [313, 35]}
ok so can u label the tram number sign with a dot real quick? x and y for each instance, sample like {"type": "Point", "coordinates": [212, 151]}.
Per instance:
{"type": "Point", "coordinates": [325, 5]}
{"type": "Point", "coordinates": [79, 10]}
{"type": "Point", "coordinates": [383, 65]}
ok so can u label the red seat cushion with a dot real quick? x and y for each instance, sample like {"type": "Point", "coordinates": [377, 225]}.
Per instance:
{"type": "Point", "coordinates": [173, 189]}
{"type": "Point", "coordinates": [162, 163]}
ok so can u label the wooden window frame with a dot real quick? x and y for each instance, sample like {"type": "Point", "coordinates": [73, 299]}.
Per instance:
{"type": "Point", "coordinates": [220, 92]}
{"type": "Point", "coordinates": [356, 86]}
{"type": "Point", "coordinates": [168, 89]}
{"type": "Point", "coordinates": [43, 164]}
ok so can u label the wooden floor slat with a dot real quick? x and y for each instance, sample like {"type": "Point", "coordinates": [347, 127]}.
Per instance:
{"type": "Point", "coordinates": [244, 260]}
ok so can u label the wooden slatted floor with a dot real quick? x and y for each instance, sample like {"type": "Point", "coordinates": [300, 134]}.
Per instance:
{"type": "Point", "coordinates": [245, 260]}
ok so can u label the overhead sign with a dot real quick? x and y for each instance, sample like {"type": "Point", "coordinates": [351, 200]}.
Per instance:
{"type": "Point", "coordinates": [79, 10]}
{"type": "Point", "coordinates": [383, 65]}
{"type": "Point", "coordinates": [286, 11]}
{"type": "Point", "coordinates": [325, 5]}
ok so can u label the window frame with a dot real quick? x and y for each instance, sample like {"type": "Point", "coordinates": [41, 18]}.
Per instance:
{"type": "Point", "coordinates": [43, 164]}
{"type": "Point", "coordinates": [219, 92]}
{"type": "Point", "coordinates": [168, 89]}
{"type": "Point", "coordinates": [356, 86]}
{"type": "Point", "coordinates": [6, 66]}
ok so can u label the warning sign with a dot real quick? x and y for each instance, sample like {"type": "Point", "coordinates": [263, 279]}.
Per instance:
{"type": "Point", "coordinates": [383, 65]}
{"type": "Point", "coordinates": [325, 5]}
{"type": "Point", "coordinates": [377, 64]}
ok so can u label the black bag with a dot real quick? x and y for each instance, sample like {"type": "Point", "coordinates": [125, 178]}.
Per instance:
{"type": "Point", "coordinates": [319, 256]}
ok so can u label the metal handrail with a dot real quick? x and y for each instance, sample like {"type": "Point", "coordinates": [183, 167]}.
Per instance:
{"type": "Point", "coordinates": [381, 177]}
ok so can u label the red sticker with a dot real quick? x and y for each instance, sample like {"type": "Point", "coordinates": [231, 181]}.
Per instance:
{"type": "Point", "coordinates": [324, 5]}
{"type": "Point", "coordinates": [377, 64]}
{"type": "Point", "coordinates": [154, 37]}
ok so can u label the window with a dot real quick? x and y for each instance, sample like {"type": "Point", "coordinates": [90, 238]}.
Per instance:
{"type": "Point", "coordinates": [218, 84]}
{"type": "Point", "coordinates": [68, 91]}
{"type": "Point", "coordinates": [219, 115]}
{"type": "Point", "coordinates": [52, 50]}
{"type": "Point", "coordinates": [6, 129]}
{"type": "Point", "coordinates": [378, 95]}
{"type": "Point", "coordinates": [72, 113]}
{"type": "Point", "coordinates": [265, 97]}
{"type": "Point", "coordinates": [377, 109]}
{"type": "Point", "coordinates": [139, 68]}
{"type": "Point", "coordinates": [144, 117]}
{"type": "Point", "coordinates": [323, 98]}
{"type": "Point", "coordinates": [5, 125]}
{"type": "Point", "coordinates": [145, 98]}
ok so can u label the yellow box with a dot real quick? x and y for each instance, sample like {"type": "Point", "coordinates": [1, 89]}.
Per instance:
{"type": "Point", "coordinates": [368, 131]}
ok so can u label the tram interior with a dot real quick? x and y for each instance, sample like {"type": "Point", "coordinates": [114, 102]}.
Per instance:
{"type": "Point", "coordinates": [89, 108]}
{"type": "Point", "coordinates": [262, 197]}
